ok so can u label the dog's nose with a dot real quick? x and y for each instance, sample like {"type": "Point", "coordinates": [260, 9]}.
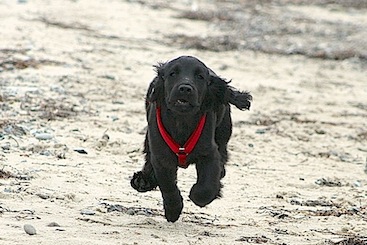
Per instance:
{"type": "Point", "coordinates": [185, 89]}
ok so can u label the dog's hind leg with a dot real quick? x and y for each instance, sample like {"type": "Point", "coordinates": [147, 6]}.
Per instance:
{"type": "Point", "coordinates": [223, 133]}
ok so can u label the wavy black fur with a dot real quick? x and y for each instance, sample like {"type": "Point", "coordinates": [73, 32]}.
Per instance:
{"type": "Point", "coordinates": [212, 96]}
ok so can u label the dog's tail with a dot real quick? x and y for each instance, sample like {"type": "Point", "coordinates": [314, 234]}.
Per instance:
{"type": "Point", "coordinates": [242, 100]}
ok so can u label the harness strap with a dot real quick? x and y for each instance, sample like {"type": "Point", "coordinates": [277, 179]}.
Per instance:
{"type": "Point", "coordinates": [181, 152]}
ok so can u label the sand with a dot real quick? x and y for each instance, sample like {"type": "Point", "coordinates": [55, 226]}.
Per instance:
{"type": "Point", "coordinates": [73, 77]}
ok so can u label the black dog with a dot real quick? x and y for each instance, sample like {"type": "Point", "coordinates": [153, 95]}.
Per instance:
{"type": "Point", "coordinates": [189, 121]}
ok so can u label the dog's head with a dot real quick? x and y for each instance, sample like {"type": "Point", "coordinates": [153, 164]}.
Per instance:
{"type": "Point", "coordinates": [186, 85]}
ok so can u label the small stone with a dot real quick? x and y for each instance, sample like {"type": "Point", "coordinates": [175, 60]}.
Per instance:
{"type": "Point", "coordinates": [260, 131]}
{"type": "Point", "coordinates": [43, 136]}
{"type": "Point", "coordinates": [29, 229]}
{"type": "Point", "coordinates": [81, 151]}
{"type": "Point", "coordinates": [43, 195]}
{"type": "Point", "coordinates": [114, 118]}
{"type": "Point", "coordinates": [61, 155]}
{"type": "Point", "coordinates": [150, 221]}
{"type": "Point", "coordinates": [357, 183]}
{"type": "Point", "coordinates": [118, 102]}
{"type": "Point", "coordinates": [24, 177]}
{"type": "Point", "coordinates": [141, 212]}
{"type": "Point", "coordinates": [130, 211]}
{"type": "Point", "coordinates": [105, 137]}
{"type": "Point", "coordinates": [6, 146]}
{"type": "Point", "coordinates": [53, 224]}
{"type": "Point", "coordinates": [109, 77]}
{"type": "Point", "coordinates": [117, 208]}
{"type": "Point", "coordinates": [46, 153]}
{"type": "Point", "coordinates": [320, 131]}
{"type": "Point", "coordinates": [87, 212]}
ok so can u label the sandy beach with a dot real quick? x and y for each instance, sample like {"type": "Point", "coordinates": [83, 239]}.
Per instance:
{"type": "Point", "coordinates": [73, 76]}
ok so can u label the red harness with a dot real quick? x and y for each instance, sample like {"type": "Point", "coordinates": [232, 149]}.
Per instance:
{"type": "Point", "coordinates": [181, 152]}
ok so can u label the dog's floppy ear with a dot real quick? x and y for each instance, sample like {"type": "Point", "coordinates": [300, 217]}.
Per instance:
{"type": "Point", "coordinates": [241, 99]}
{"type": "Point", "coordinates": [220, 92]}
{"type": "Point", "coordinates": [217, 92]}
{"type": "Point", "coordinates": [155, 91]}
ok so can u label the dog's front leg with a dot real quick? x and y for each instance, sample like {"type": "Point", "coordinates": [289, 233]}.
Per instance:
{"type": "Point", "coordinates": [145, 179]}
{"type": "Point", "coordinates": [207, 187]}
{"type": "Point", "coordinates": [167, 181]}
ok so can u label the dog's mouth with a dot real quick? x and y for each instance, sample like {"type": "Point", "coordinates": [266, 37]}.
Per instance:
{"type": "Point", "coordinates": [182, 105]}
{"type": "Point", "coordinates": [182, 102]}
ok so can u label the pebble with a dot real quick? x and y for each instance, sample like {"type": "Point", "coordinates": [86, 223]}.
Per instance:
{"type": "Point", "coordinates": [53, 224]}
{"type": "Point", "coordinates": [116, 207]}
{"type": "Point", "coordinates": [114, 118]}
{"type": "Point", "coordinates": [260, 131]}
{"type": "Point", "coordinates": [6, 146]}
{"type": "Point", "coordinates": [141, 212]}
{"type": "Point", "coordinates": [29, 229]}
{"type": "Point", "coordinates": [130, 211]}
{"type": "Point", "coordinates": [81, 151]}
{"type": "Point", "coordinates": [43, 195]}
{"type": "Point", "coordinates": [46, 153]}
{"type": "Point", "coordinates": [87, 212]}
{"type": "Point", "coordinates": [357, 183]}
{"type": "Point", "coordinates": [105, 137]}
{"type": "Point", "coordinates": [109, 77]}
{"type": "Point", "coordinates": [24, 177]}
{"type": "Point", "coordinates": [320, 131]}
{"type": "Point", "coordinates": [43, 136]}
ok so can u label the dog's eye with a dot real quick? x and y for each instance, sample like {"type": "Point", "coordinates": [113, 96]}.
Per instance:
{"type": "Point", "coordinates": [172, 74]}
{"type": "Point", "coordinates": [201, 77]}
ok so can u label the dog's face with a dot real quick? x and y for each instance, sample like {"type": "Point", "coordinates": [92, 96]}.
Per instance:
{"type": "Point", "coordinates": [185, 84]}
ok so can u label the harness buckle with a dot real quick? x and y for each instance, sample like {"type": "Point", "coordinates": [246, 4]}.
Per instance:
{"type": "Point", "coordinates": [182, 155]}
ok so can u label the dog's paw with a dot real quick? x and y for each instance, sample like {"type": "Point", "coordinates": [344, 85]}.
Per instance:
{"type": "Point", "coordinates": [173, 212]}
{"type": "Point", "coordinates": [143, 183]}
{"type": "Point", "coordinates": [202, 196]}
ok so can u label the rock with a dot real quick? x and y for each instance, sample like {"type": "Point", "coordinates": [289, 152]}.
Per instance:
{"type": "Point", "coordinates": [328, 182]}
{"type": "Point", "coordinates": [105, 137]}
{"type": "Point", "coordinates": [260, 131]}
{"type": "Point", "coordinates": [109, 77]}
{"type": "Point", "coordinates": [6, 146]}
{"type": "Point", "coordinates": [130, 211]}
{"type": "Point", "coordinates": [43, 195]}
{"type": "Point", "coordinates": [87, 212]}
{"type": "Point", "coordinates": [29, 229]}
{"type": "Point", "coordinates": [320, 131]}
{"type": "Point", "coordinates": [81, 151]}
{"type": "Point", "coordinates": [114, 118]}
{"type": "Point", "coordinates": [142, 212]}
{"type": "Point", "coordinates": [43, 136]}
{"type": "Point", "coordinates": [46, 153]}
{"type": "Point", "coordinates": [53, 224]}
{"type": "Point", "coordinates": [117, 208]}
{"type": "Point", "coordinates": [357, 183]}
